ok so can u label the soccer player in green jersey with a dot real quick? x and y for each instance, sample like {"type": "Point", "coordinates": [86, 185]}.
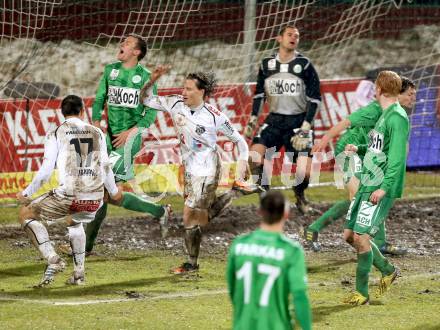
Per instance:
{"type": "Point", "coordinates": [120, 88]}
{"type": "Point", "coordinates": [266, 270]}
{"type": "Point", "coordinates": [382, 181]}
{"type": "Point", "coordinates": [358, 124]}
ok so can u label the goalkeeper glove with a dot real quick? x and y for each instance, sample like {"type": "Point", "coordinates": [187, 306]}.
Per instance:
{"type": "Point", "coordinates": [250, 127]}
{"type": "Point", "coordinates": [303, 137]}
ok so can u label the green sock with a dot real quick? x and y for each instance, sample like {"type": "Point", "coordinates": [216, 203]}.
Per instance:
{"type": "Point", "coordinates": [364, 263]}
{"type": "Point", "coordinates": [92, 228]}
{"type": "Point", "coordinates": [331, 215]}
{"type": "Point", "coordinates": [380, 237]}
{"type": "Point", "coordinates": [133, 202]}
{"type": "Point", "coordinates": [380, 262]}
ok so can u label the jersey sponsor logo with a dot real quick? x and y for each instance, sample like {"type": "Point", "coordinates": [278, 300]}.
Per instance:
{"type": "Point", "coordinates": [272, 64]}
{"type": "Point", "coordinates": [284, 68]}
{"type": "Point", "coordinates": [123, 97]}
{"type": "Point", "coordinates": [365, 214]}
{"type": "Point", "coordinates": [114, 74]}
{"type": "Point", "coordinates": [136, 79]}
{"type": "Point", "coordinates": [289, 87]}
{"type": "Point", "coordinates": [85, 206]}
{"type": "Point", "coordinates": [376, 141]}
{"type": "Point", "coordinates": [200, 129]}
{"type": "Point", "coordinates": [86, 172]}
{"type": "Point", "coordinates": [297, 68]}
{"type": "Point", "coordinates": [256, 250]}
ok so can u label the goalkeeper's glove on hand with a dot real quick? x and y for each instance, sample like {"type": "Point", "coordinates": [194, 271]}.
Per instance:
{"type": "Point", "coordinates": [250, 127]}
{"type": "Point", "coordinates": [303, 138]}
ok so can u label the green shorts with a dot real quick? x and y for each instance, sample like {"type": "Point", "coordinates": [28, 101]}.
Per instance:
{"type": "Point", "coordinates": [122, 159]}
{"type": "Point", "coordinates": [363, 217]}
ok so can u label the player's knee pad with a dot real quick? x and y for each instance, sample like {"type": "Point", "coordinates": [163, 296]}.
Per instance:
{"type": "Point", "coordinates": [193, 238]}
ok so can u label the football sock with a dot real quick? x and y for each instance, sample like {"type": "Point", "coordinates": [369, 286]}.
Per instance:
{"type": "Point", "coordinates": [193, 238]}
{"type": "Point", "coordinates": [133, 202]}
{"type": "Point", "coordinates": [92, 228]}
{"type": "Point", "coordinates": [330, 216]}
{"type": "Point", "coordinates": [77, 238]}
{"type": "Point", "coordinates": [364, 263]}
{"type": "Point", "coordinates": [301, 187]}
{"type": "Point", "coordinates": [380, 262]}
{"type": "Point", "coordinates": [380, 237]}
{"type": "Point", "coordinates": [40, 238]}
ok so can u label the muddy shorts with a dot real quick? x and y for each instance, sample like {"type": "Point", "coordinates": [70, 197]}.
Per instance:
{"type": "Point", "coordinates": [52, 206]}
{"type": "Point", "coordinates": [364, 217]}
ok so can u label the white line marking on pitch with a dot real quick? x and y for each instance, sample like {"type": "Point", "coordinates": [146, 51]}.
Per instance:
{"type": "Point", "coordinates": [176, 295]}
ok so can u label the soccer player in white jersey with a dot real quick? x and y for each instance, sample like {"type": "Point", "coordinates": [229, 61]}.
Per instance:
{"type": "Point", "coordinates": [197, 124]}
{"type": "Point", "coordinates": [79, 152]}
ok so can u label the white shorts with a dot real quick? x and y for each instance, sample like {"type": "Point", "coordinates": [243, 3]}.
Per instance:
{"type": "Point", "coordinates": [52, 206]}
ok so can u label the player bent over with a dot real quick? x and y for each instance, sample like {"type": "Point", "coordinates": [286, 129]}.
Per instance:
{"type": "Point", "coordinates": [119, 88]}
{"type": "Point", "coordinates": [265, 270]}
{"type": "Point", "coordinates": [382, 180]}
{"type": "Point", "coordinates": [291, 86]}
{"type": "Point", "coordinates": [358, 124]}
{"type": "Point", "coordinates": [80, 154]}
{"type": "Point", "coordinates": [197, 124]}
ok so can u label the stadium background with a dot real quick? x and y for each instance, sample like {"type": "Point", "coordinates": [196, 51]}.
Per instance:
{"type": "Point", "coordinates": [51, 48]}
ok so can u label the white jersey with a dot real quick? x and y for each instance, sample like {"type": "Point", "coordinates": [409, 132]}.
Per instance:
{"type": "Point", "coordinates": [197, 131]}
{"type": "Point", "coordinates": [79, 151]}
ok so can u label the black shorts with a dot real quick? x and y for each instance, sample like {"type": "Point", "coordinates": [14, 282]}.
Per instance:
{"type": "Point", "coordinates": [277, 131]}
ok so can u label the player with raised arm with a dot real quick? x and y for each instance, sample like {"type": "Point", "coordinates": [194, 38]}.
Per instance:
{"type": "Point", "coordinates": [79, 152]}
{"type": "Point", "coordinates": [120, 88]}
{"type": "Point", "coordinates": [382, 181]}
{"type": "Point", "coordinates": [358, 124]}
{"type": "Point", "coordinates": [197, 124]}
{"type": "Point", "coordinates": [266, 272]}
{"type": "Point", "coordinates": [290, 84]}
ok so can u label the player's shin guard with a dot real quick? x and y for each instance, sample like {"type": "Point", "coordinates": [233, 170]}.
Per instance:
{"type": "Point", "coordinates": [133, 202]}
{"type": "Point", "coordinates": [364, 263]}
{"type": "Point", "coordinates": [77, 238]}
{"type": "Point", "coordinates": [92, 228]}
{"type": "Point", "coordinates": [338, 210]}
{"type": "Point", "coordinates": [40, 238]}
{"type": "Point", "coordinates": [380, 237]}
{"type": "Point", "coordinates": [380, 262]}
{"type": "Point", "coordinates": [193, 238]}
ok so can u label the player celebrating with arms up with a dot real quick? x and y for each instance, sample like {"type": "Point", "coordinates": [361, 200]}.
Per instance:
{"type": "Point", "coordinates": [197, 124]}
{"type": "Point", "coordinates": [120, 87]}
{"type": "Point", "coordinates": [291, 85]}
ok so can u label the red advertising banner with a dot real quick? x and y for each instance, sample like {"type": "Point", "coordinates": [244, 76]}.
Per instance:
{"type": "Point", "coordinates": [24, 124]}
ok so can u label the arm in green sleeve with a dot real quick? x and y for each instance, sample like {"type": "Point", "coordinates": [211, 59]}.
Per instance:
{"type": "Point", "coordinates": [398, 130]}
{"type": "Point", "coordinates": [149, 114]}
{"type": "Point", "coordinates": [303, 311]}
{"type": "Point", "coordinates": [100, 98]}
{"type": "Point", "coordinates": [297, 278]}
{"type": "Point", "coordinates": [230, 272]}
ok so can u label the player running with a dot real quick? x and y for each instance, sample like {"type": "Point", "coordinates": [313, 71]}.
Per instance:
{"type": "Point", "coordinates": [197, 124]}
{"type": "Point", "coordinates": [119, 88]}
{"type": "Point", "coordinates": [79, 152]}
{"type": "Point", "coordinates": [266, 270]}
{"type": "Point", "coordinates": [291, 86]}
{"type": "Point", "coordinates": [358, 124]}
{"type": "Point", "coordinates": [382, 181]}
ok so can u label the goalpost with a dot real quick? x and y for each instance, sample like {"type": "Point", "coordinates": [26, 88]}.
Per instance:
{"type": "Point", "coordinates": [51, 48]}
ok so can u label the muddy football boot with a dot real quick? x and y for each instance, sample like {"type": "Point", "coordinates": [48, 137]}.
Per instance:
{"type": "Point", "coordinates": [49, 273]}
{"type": "Point", "coordinates": [77, 278]}
{"type": "Point", "coordinates": [311, 238]}
{"type": "Point", "coordinates": [355, 299]}
{"type": "Point", "coordinates": [386, 281]}
{"type": "Point", "coordinates": [394, 250]}
{"type": "Point", "coordinates": [246, 189]}
{"type": "Point", "coordinates": [164, 221]}
{"type": "Point", "coordinates": [185, 268]}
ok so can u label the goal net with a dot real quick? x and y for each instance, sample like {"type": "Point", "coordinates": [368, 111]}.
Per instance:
{"type": "Point", "coordinates": [49, 49]}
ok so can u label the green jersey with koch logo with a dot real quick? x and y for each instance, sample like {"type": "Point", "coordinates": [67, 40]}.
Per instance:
{"type": "Point", "coordinates": [385, 159]}
{"type": "Point", "coordinates": [264, 270]}
{"type": "Point", "coordinates": [120, 88]}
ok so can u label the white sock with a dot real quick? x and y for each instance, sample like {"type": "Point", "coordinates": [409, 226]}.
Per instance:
{"type": "Point", "coordinates": [78, 244]}
{"type": "Point", "coordinates": [40, 238]}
